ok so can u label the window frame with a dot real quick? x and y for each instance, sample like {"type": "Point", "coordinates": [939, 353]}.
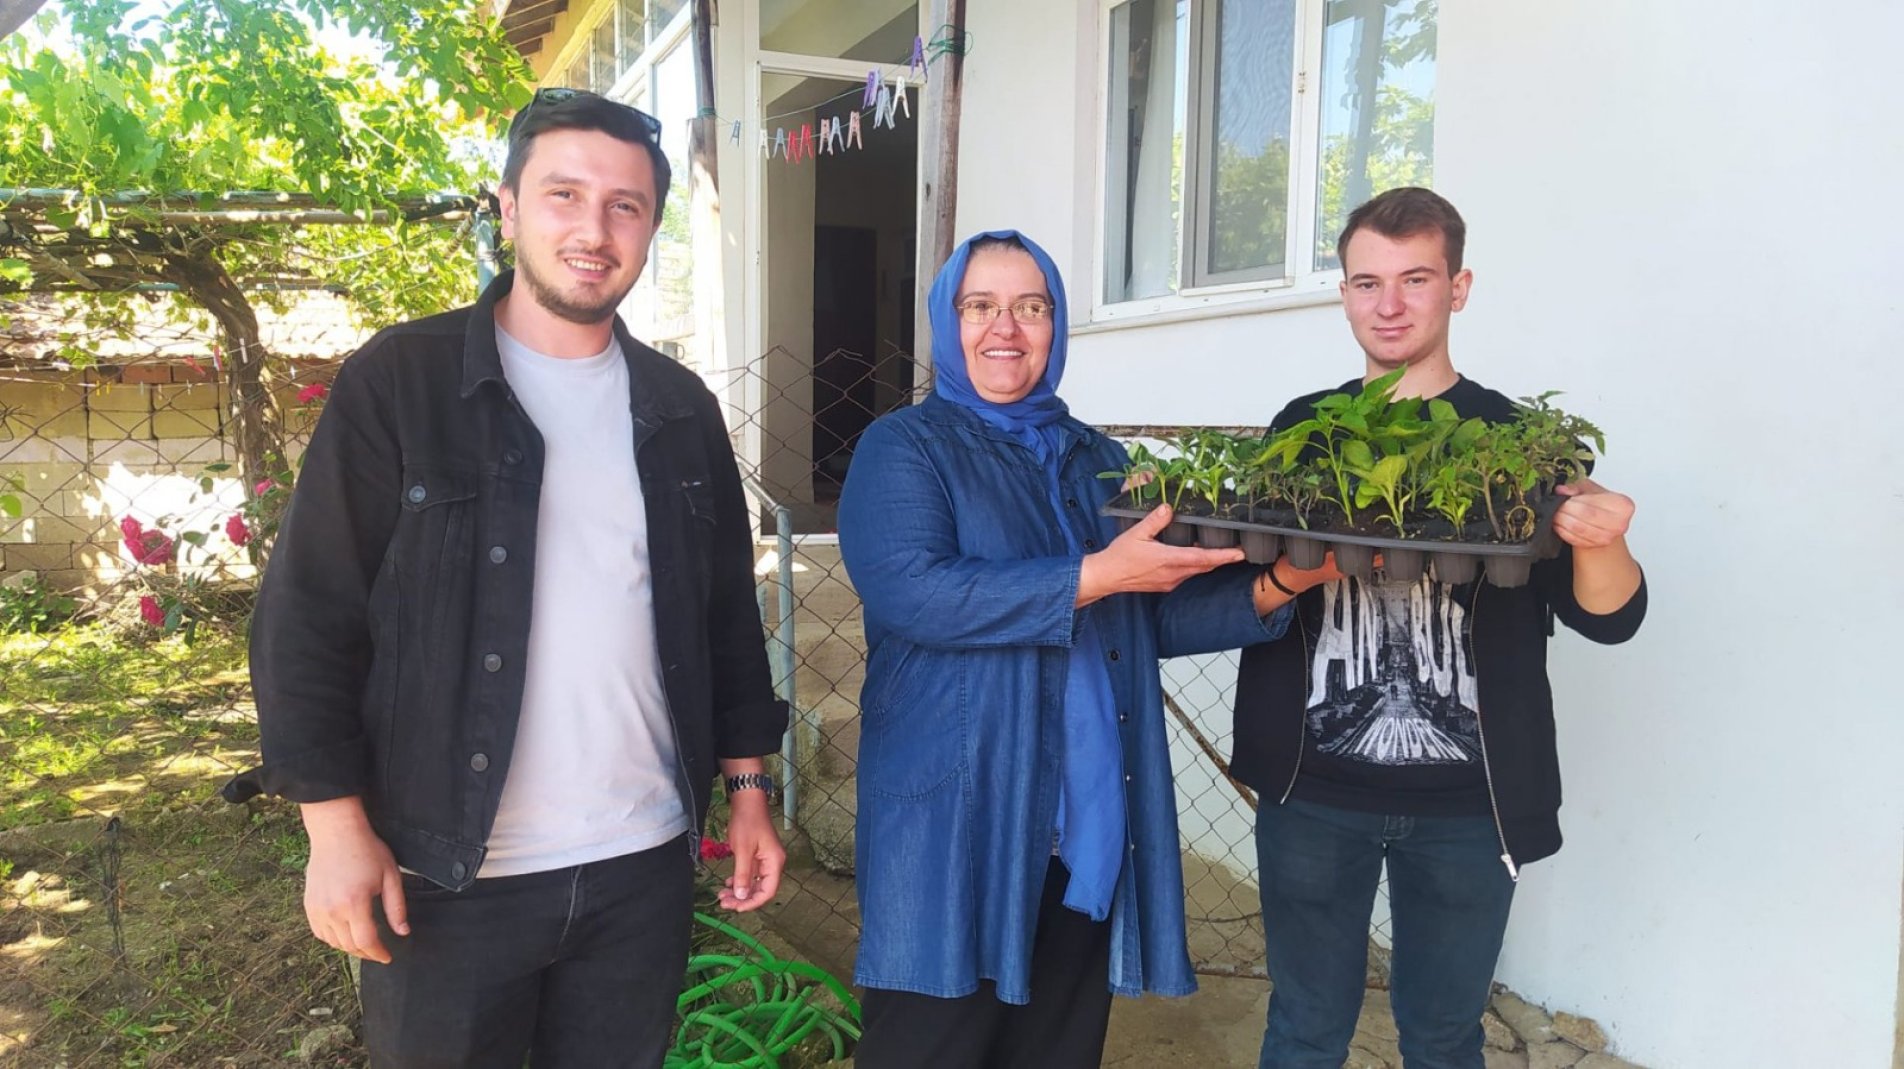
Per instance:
{"type": "Point", "coordinates": [1300, 283]}
{"type": "Point", "coordinates": [634, 83]}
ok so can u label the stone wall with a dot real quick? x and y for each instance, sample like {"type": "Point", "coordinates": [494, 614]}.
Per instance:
{"type": "Point", "coordinates": [81, 449]}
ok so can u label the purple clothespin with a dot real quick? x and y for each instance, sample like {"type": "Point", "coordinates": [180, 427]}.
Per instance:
{"type": "Point", "coordinates": [873, 82]}
{"type": "Point", "coordinates": [918, 63]}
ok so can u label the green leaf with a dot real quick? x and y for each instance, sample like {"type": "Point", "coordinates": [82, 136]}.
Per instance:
{"type": "Point", "coordinates": [1357, 454]}
{"type": "Point", "coordinates": [10, 504]}
{"type": "Point", "coordinates": [16, 271]}
{"type": "Point", "coordinates": [1388, 471]}
{"type": "Point", "coordinates": [196, 538]}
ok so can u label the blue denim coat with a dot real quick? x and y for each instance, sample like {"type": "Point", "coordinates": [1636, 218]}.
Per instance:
{"type": "Point", "coordinates": [949, 533]}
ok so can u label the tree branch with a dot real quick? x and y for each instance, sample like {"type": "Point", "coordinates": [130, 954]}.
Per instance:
{"type": "Point", "coordinates": [14, 13]}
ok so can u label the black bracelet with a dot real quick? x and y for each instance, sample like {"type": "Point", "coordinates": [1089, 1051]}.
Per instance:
{"type": "Point", "coordinates": [1275, 582]}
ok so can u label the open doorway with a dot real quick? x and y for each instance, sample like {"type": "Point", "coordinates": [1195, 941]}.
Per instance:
{"type": "Point", "coordinates": [839, 252]}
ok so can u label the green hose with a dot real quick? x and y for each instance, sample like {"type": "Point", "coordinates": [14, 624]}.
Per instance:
{"type": "Point", "coordinates": [749, 1012]}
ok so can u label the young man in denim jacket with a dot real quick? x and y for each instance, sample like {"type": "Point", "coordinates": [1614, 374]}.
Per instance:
{"type": "Point", "coordinates": [508, 634]}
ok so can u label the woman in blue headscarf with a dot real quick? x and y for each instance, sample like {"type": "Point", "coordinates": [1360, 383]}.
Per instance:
{"type": "Point", "coordinates": [1017, 856]}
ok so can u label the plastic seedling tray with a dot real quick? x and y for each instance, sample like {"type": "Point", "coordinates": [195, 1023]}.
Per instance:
{"type": "Point", "coordinates": [1268, 533]}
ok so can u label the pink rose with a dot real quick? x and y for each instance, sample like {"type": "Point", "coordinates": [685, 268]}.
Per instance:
{"type": "Point", "coordinates": [146, 547]}
{"type": "Point", "coordinates": [236, 530]}
{"type": "Point", "coordinates": [715, 850]}
{"type": "Point", "coordinates": [150, 612]}
{"type": "Point", "coordinates": [264, 487]}
{"type": "Point", "coordinates": [314, 392]}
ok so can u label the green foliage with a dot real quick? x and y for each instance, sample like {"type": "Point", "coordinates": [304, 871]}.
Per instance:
{"type": "Point", "coordinates": [27, 607]}
{"type": "Point", "coordinates": [357, 104]}
{"type": "Point", "coordinates": [1403, 459]}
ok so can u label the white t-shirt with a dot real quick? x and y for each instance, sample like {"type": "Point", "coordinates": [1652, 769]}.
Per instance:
{"type": "Point", "coordinates": [593, 772]}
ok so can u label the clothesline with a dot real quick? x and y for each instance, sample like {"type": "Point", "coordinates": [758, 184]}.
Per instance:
{"type": "Point", "coordinates": [924, 54]}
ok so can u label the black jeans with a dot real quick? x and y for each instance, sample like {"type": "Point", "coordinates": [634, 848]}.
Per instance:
{"type": "Point", "coordinates": [579, 967]}
{"type": "Point", "coordinates": [1062, 1027]}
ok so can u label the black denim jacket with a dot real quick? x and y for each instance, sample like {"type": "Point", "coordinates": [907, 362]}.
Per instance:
{"type": "Point", "coordinates": [388, 644]}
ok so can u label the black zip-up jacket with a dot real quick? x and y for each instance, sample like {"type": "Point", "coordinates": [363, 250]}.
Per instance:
{"type": "Point", "coordinates": [1509, 628]}
{"type": "Point", "coordinates": [389, 639]}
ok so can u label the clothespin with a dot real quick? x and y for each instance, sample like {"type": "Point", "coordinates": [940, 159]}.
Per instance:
{"type": "Point", "coordinates": [826, 128]}
{"type": "Point", "coordinates": [779, 143]}
{"type": "Point", "coordinates": [899, 96]}
{"type": "Point", "coordinates": [836, 135]}
{"type": "Point", "coordinates": [806, 140]}
{"type": "Point", "coordinates": [766, 148]}
{"type": "Point", "coordinates": [918, 61]}
{"type": "Point", "coordinates": [852, 130]}
{"type": "Point", "coordinates": [873, 82]}
{"type": "Point", "coordinates": [734, 134]}
{"type": "Point", "coordinates": [883, 110]}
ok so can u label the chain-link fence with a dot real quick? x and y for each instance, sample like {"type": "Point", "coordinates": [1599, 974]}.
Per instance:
{"type": "Point", "coordinates": [143, 921]}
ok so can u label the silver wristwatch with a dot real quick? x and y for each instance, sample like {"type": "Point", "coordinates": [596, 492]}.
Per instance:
{"type": "Point", "coordinates": [751, 781]}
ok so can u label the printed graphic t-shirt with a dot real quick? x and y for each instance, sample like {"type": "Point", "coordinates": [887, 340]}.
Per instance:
{"type": "Point", "coordinates": [1391, 723]}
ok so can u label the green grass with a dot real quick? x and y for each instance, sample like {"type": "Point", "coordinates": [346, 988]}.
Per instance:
{"type": "Point", "coordinates": [91, 722]}
{"type": "Point", "coordinates": [143, 921]}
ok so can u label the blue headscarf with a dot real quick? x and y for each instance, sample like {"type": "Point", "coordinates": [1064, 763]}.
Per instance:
{"type": "Point", "coordinates": [1091, 805]}
{"type": "Point", "coordinates": [1031, 419]}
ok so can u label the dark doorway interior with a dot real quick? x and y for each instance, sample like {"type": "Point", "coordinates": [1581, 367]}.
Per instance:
{"type": "Point", "coordinates": [845, 348]}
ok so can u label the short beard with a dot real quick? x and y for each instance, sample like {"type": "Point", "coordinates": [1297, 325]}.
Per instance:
{"type": "Point", "coordinates": [560, 306]}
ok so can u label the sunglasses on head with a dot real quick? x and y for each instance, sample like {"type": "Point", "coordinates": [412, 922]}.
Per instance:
{"type": "Point", "coordinates": [555, 95]}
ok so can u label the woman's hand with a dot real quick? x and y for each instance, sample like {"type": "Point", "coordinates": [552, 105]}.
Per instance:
{"type": "Point", "coordinates": [1135, 562]}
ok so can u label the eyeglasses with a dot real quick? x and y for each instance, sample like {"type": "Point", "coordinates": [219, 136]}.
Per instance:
{"type": "Point", "coordinates": [554, 95]}
{"type": "Point", "coordinates": [1026, 310]}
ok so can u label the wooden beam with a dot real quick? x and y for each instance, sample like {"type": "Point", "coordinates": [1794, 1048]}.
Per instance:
{"type": "Point", "coordinates": [939, 163]}
{"type": "Point", "coordinates": [533, 31]}
{"type": "Point", "coordinates": [14, 13]}
{"type": "Point", "coordinates": [530, 48]}
{"type": "Point", "coordinates": [528, 13]}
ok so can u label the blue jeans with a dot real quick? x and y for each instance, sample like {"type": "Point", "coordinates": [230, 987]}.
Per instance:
{"type": "Point", "coordinates": [1448, 895]}
{"type": "Point", "coordinates": [574, 968]}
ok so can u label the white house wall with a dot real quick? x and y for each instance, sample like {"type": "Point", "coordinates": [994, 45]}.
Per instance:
{"type": "Point", "coordinates": [1680, 215]}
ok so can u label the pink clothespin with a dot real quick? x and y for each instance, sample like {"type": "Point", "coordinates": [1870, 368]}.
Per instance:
{"type": "Point", "coordinates": [852, 130]}
{"type": "Point", "coordinates": [806, 140]}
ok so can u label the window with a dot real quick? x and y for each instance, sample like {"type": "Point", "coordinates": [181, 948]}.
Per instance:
{"type": "Point", "coordinates": [604, 55]}
{"type": "Point", "coordinates": [639, 53]}
{"type": "Point", "coordinates": [1240, 133]}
